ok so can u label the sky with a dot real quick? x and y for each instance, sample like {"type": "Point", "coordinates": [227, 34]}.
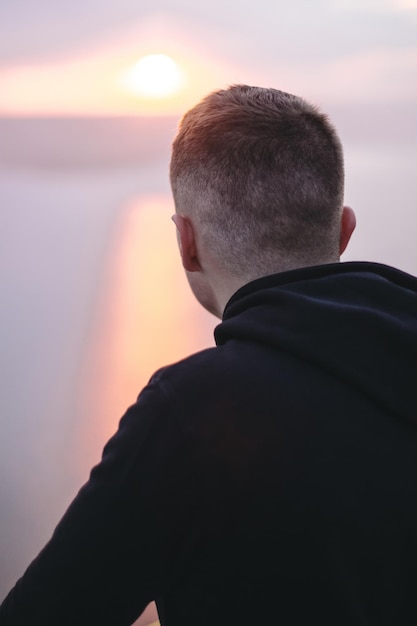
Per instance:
{"type": "Point", "coordinates": [70, 59]}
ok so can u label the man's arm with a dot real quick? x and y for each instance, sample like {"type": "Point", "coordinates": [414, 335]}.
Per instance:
{"type": "Point", "coordinates": [104, 562]}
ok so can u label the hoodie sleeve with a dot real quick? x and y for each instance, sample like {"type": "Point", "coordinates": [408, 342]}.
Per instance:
{"type": "Point", "coordinates": [108, 557]}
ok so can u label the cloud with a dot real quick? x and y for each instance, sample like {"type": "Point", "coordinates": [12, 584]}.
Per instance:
{"type": "Point", "coordinates": [381, 74]}
{"type": "Point", "coordinates": [376, 6]}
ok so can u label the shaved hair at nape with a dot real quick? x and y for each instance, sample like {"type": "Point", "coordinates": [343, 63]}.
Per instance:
{"type": "Point", "coordinates": [261, 173]}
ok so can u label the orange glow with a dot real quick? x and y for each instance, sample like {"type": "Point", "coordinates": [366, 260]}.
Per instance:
{"type": "Point", "coordinates": [146, 317]}
{"type": "Point", "coordinates": [99, 87]}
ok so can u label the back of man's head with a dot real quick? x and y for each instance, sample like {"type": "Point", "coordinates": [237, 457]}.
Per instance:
{"type": "Point", "coordinates": [260, 173]}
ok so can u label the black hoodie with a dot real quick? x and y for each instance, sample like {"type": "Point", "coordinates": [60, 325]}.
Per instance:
{"type": "Point", "coordinates": [272, 479]}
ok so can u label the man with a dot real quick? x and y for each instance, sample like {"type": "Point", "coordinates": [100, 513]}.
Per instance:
{"type": "Point", "coordinates": [271, 479]}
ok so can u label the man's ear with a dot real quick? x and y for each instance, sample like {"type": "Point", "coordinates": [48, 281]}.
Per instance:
{"type": "Point", "coordinates": [187, 243]}
{"type": "Point", "coordinates": [347, 226]}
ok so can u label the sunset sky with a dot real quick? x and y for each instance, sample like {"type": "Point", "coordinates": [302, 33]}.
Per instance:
{"type": "Point", "coordinates": [73, 60]}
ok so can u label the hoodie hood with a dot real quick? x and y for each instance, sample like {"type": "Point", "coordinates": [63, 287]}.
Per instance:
{"type": "Point", "coordinates": [355, 321]}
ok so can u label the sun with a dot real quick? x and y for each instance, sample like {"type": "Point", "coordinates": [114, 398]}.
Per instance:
{"type": "Point", "coordinates": [154, 76]}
